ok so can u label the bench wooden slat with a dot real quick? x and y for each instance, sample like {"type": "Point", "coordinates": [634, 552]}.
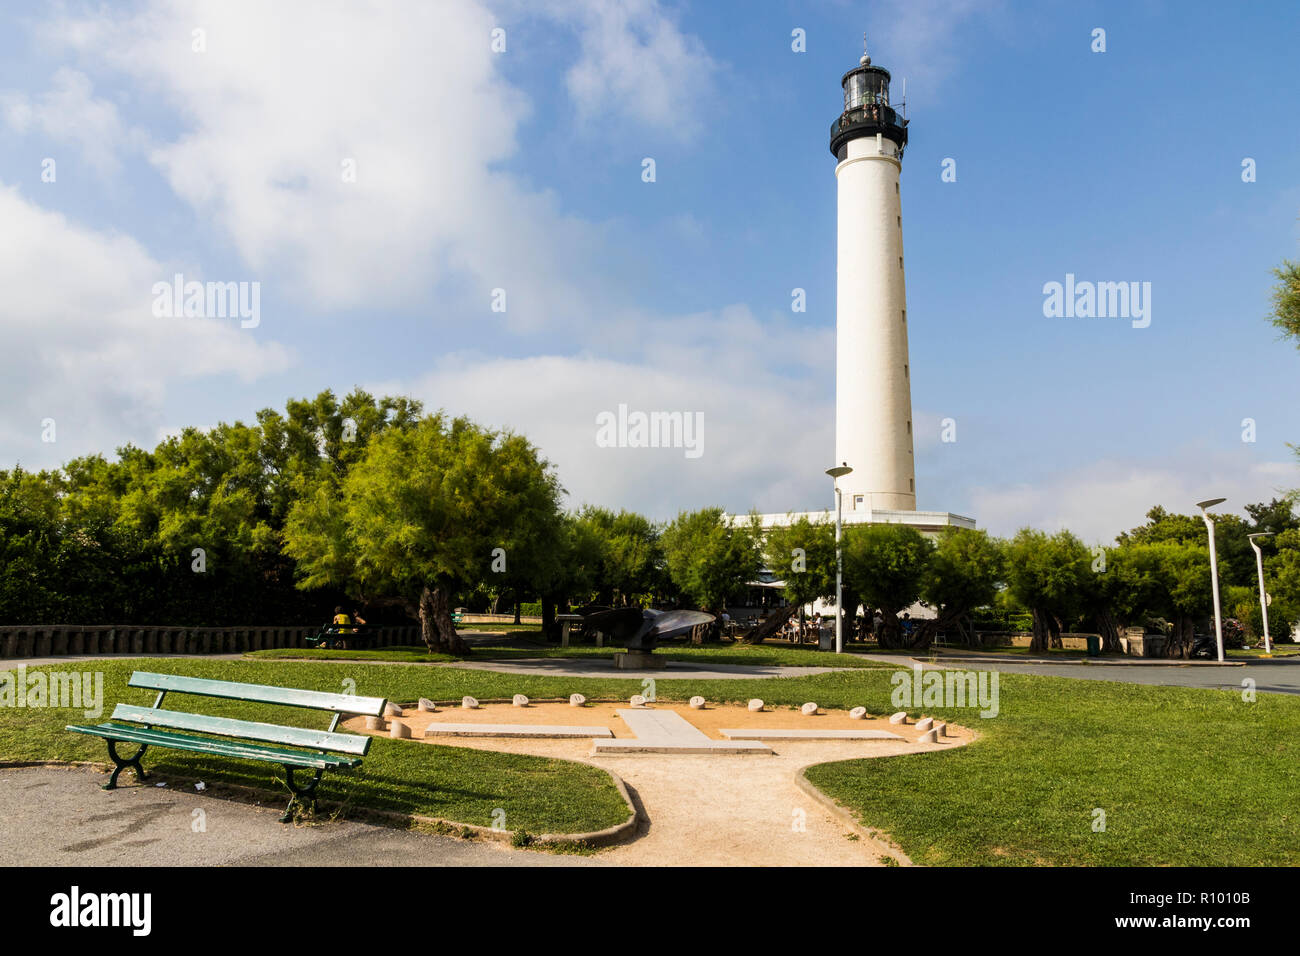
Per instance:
{"type": "Point", "coordinates": [260, 693]}
{"type": "Point", "coordinates": [244, 729]}
{"type": "Point", "coordinates": [222, 748]}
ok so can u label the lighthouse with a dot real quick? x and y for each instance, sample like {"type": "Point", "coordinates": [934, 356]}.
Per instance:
{"type": "Point", "coordinates": [873, 390]}
{"type": "Point", "coordinates": [873, 376]}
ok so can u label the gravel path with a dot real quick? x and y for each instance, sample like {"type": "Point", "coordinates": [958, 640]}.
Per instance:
{"type": "Point", "coordinates": [720, 809]}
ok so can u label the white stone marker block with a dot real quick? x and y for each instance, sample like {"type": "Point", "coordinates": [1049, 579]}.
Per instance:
{"type": "Point", "coordinates": [427, 705]}
{"type": "Point", "coordinates": [931, 736]}
{"type": "Point", "coordinates": [399, 731]}
{"type": "Point", "coordinates": [468, 703]}
{"type": "Point", "coordinates": [376, 723]}
{"type": "Point", "coordinates": [941, 729]}
{"type": "Point", "coordinates": [637, 700]}
{"type": "Point", "coordinates": [755, 705]}
{"type": "Point", "coordinates": [898, 718]}
{"type": "Point", "coordinates": [576, 700]}
{"type": "Point", "coordinates": [392, 710]}
{"type": "Point", "coordinates": [697, 703]}
{"type": "Point", "coordinates": [857, 713]}
{"type": "Point", "coordinates": [809, 709]}
{"type": "Point", "coordinates": [925, 723]}
{"type": "Point", "coordinates": [520, 700]}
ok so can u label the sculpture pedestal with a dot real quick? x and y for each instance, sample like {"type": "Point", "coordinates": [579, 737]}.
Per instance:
{"type": "Point", "coordinates": [638, 661]}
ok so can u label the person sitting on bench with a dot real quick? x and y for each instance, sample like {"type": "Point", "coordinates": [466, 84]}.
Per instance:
{"type": "Point", "coordinates": [341, 621]}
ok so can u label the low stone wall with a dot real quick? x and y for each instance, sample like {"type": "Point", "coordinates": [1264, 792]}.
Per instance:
{"type": "Point", "coordinates": [20, 640]}
{"type": "Point", "coordinates": [1069, 642]}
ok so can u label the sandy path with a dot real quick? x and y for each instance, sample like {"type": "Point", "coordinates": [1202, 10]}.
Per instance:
{"type": "Point", "coordinates": [712, 810]}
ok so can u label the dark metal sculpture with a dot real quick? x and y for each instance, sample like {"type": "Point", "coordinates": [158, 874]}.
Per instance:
{"type": "Point", "coordinates": [639, 629]}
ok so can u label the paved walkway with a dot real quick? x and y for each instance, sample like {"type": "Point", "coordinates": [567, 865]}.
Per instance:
{"type": "Point", "coordinates": [1280, 675]}
{"type": "Point", "coordinates": [56, 816]}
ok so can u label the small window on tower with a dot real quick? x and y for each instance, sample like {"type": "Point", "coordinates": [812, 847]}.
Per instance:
{"type": "Point", "coordinates": [905, 375]}
{"type": "Point", "coordinates": [911, 485]}
{"type": "Point", "coordinates": [904, 316]}
{"type": "Point", "coordinates": [900, 262]}
{"type": "Point", "coordinates": [909, 428]}
{"type": "Point", "coordinates": [857, 502]}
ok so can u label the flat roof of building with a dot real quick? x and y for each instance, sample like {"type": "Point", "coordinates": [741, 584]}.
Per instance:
{"type": "Point", "coordinates": [917, 519]}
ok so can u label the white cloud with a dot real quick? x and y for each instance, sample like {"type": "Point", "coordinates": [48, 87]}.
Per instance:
{"type": "Point", "coordinates": [286, 93]}
{"type": "Point", "coordinates": [1101, 498]}
{"type": "Point", "coordinates": [69, 112]}
{"type": "Point", "coordinates": [636, 64]}
{"type": "Point", "coordinates": [921, 40]}
{"type": "Point", "coordinates": [82, 344]}
{"type": "Point", "coordinates": [766, 433]}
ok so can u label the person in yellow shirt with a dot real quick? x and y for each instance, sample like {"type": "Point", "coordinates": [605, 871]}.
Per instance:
{"type": "Point", "coordinates": [341, 621]}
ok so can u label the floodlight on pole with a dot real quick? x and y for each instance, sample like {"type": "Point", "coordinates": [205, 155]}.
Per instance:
{"type": "Point", "coordinates": [1214, 569]}
{"type": "Point", "coordinates": [836, 473]}
{"type": "Point", "coordinates": [1263, 597]}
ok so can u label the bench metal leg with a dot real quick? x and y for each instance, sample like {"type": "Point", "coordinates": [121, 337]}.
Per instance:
{"type": "Point", "coordinates": [301, 795]}
{"type": "Point", "coordinates": [119, 764]}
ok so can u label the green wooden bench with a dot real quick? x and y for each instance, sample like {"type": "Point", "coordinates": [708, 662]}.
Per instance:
{"type": "Point", "coordinates": [316, 750]}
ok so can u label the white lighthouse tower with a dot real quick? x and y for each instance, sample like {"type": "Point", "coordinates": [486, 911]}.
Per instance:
{"type": "Point", "coordinates": [873, 389]}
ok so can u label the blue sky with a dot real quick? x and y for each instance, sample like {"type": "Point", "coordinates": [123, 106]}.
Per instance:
{"type": "Point", "coordinates": [522, 170]}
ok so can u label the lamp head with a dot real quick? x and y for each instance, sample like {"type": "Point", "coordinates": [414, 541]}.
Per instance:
{"type": "Point", "coordinates": [840, 470]}
{"type": "Point", "coordinates": [1259, 534]}
{"type": "Point", "coordinates": [1210, 503]}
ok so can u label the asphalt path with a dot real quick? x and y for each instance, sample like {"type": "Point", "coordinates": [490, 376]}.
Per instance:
{"type": "Point", "coordinates": [58, 816]}
{"type": "Point", "coordinates": [1280, 675]}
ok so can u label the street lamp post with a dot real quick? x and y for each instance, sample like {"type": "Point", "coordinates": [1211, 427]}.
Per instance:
{"type": "Point", "coordinates": [836, 473]}
{"type": "Point", "coordinates": [1214, 570]}
{"type": "Point", "coordinates": [1263, 597]}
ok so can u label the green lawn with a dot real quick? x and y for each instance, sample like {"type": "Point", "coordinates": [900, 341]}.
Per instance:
{"type": "Point", "coordinates": [1185, 776]}
{"type": "Point", "coordinates": [414, 654]}
{"type": "Point", "coordinates": [761, 654]}
{"type": "Point", "coordinates": [1279, 650]}
{"type": "Point", "coordinates": [1189, 777]}
{"type": "Point", "coordinates": [538, 795]}
{"type": "Point", "coordinates": [524, 628]}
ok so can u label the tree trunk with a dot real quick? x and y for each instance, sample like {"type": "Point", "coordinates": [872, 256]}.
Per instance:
{"type": "Point", "coordinates": [850, 611]}
{"type": "Point", "coordinates": [1182, 633]}
{"type": "Point", "coordinates": [891, 629]}
{"type": "Point", "coordinates": [1055, 626]}
{"type": "Point", "coordinates": [697, 633]}
{"type": "Point", "coordinates": [1039, 642]}
{"type": "Point", "coordinates": [517, 621]}
{"type": "Point", "coordinates": [548, 618]}
{"type": "Point", "coordinates": [772, 625]}
{"type": "Point", "coordinates": [436, 628]}
{"type": "Point", "coordinates": [1109, 631]}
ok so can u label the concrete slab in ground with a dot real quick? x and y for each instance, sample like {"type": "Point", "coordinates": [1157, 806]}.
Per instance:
{"type": "Point", "coordinates": [513, 730]}
{"type": "Point", "coordinates": [667, 732]}
{"type": "Point", "coordinates": [58, 816]}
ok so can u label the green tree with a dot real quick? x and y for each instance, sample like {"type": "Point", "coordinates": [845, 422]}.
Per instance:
{"type": "Point", "coordinates": [1285, 313]}
{"type": "Point", "coordinates": [962, 574]}
{"type": "Point", "coordinates": [426, 511]}
{"type": "Point", "coordinates": [1282, 581]}
{"type": "Point", "coordinates": [1184, 590]}
{"type": "Point", "coordinates": [708, 559]}
{"type": "Point", "coordinates": [885, 566]}
{"type": "Point", "coordinates": [1048, 574]}
{"type": "Point", "coordinates": [802, 553]}
{"type": "Point", "coordinates": [630, 558]}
